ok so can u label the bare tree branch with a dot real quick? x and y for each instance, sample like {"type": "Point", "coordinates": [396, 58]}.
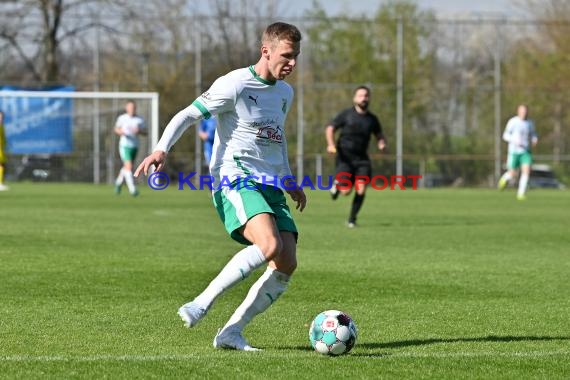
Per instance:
{"type": "Point", "coordinates": [76, 31]}
{"type": "Point", "coordinates": [29, 63]}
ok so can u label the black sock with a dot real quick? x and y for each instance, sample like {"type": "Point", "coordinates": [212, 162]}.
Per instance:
{"type": "Point", "coordinates": [356, 204]}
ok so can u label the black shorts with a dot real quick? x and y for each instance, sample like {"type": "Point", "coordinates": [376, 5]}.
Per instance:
{"type": "Point", "coordinates": [356, 167]}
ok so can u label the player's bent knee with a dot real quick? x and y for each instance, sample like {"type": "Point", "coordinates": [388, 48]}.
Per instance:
{"type": "Point", "coordinates": [285, 263]}
{"type": "Point", "coordinates": [290, 267]}
{"type": "Point", "coordinates": [270, 246]}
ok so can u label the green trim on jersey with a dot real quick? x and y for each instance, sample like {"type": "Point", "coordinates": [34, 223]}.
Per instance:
{"type": "Point", "coordinates": [264, 81]}
{"type": "Point", "coordinates": [240, 202]}
{"type": "Point", "coordinates": [240, 165]}
{"type": "Point", "coordinates": [515, 160]}
{"type": "Point", "coordinates": [202, 109]}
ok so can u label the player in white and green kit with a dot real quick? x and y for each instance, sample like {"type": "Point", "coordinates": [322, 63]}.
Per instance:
{"type": "Point", "coordinates": [251, 105]}
{"type": "Point", "coordinates": [521, 136]}
{"type": "Point", "coordinates": [129, 126]}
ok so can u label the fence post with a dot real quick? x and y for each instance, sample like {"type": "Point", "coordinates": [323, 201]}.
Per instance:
{"type": "Point", "coordinates": [198, 92]}
{"type": "Point", "coordinates": [400, 97]}
{"type": "Point", "coordinates": [497, 90]}
{"type": "Point", "coordinates": [422, 172]}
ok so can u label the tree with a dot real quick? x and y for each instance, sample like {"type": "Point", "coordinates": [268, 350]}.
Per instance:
{"type": "Point", "coordinates": [34, 32]}
{"type": "Point", "coordinates": [163, 44]}
{"type": "Point", "coordinates": [347, 51]}
{"type": "Point", "coordinates": [538, 73]}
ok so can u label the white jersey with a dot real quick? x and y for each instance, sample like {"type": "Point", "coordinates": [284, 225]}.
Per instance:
{"type": "Point", "coordinates": [129, 125]}
{"type": "Point", "coordinates": [519, 133]}
{"type": "Point", "coordinates": [250, 137]}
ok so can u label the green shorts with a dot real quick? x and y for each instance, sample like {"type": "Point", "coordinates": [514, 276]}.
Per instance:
{"type": "Point", "coordinates": [237, 204]}
{"type": "Point", "coordinates": [515, 160]}
{"type": "Point", "coordinates": [128, 153]}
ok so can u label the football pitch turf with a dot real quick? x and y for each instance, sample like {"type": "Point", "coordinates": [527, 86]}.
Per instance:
{"type": "Point", "coordinates": [441, 284]}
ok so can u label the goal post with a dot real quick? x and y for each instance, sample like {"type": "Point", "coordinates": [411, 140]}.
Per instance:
{"type": "Point", "coordinates": [89, 118]}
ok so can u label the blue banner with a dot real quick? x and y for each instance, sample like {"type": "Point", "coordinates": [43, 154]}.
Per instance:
{"type": "Point", "coordinates": [37, 125]}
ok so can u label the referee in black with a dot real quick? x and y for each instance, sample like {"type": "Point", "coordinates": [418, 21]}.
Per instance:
{"type": "Point", "coordinates": [356, 125]}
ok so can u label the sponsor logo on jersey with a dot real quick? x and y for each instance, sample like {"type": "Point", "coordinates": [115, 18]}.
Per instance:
{"type": "Point", "coordinates": [262, 123]}
{"type": "Point", "coordinates": [273, 134]}
{"type": "Point", "coordinates": [206, 95]}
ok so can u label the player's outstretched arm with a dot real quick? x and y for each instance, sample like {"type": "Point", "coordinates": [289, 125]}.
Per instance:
{"type": "Point", "coordinates": [175, 128]}
{"type": "Point", "coordinates": [157, 158]}
{"type": "Point", "coordinates": [329, 135]}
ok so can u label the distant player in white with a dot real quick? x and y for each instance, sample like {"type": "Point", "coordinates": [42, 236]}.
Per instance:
{"type": "Point", "coordinates": [521, 136]}
{"type": "Point", "coordinates": [129, 126]}
{"type": "Point", "coordinates": [251, 105]}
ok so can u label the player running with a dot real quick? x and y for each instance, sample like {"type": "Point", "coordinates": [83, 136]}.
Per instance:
{"type": "Point", "coordinates": [251, 104]}
{"type": "Point", "coordinates": [129, 126]}
{"type": "Point", "coordinates": [521, 136]}
{"type": "Point", "coordinates": [356, 125]}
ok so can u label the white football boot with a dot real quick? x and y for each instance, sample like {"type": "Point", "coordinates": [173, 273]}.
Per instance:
{"type": "Point", "coordinates": [191, 314]}
{"type": "Point", "coordinates": [232, 339]}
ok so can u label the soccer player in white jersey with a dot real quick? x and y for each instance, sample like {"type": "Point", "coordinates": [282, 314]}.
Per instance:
{"type": "Point", "coordinates": [251, 105]}
{"type": "Point", "coordinates": [129, 126]}
{"type": "Point", "coordinates": [521, 136]}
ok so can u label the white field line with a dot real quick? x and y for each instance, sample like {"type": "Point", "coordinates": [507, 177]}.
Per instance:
{"type": "Point", "coordinates": [158, 358]}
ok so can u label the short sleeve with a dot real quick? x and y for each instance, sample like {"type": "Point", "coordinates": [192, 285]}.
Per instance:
{"type": "Point", "coordinates": [119, 122]}
{"type": "Point", "coordinates": [339, 121]}
{"type": "Point", "coordinates": [203, 126]}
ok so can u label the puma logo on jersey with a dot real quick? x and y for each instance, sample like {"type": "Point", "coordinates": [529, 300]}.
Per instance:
{"type": "Point", "coordinates": [254, 99]}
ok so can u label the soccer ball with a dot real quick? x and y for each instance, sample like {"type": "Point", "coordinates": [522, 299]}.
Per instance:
{"type": "Point", "coordinates": [333, 332]}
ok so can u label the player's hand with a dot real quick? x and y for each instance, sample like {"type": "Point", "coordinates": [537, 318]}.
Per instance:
{"type": "Point", "coordinates": [381, 145]}
{"type": "Point", "coordinates": [203, 135]}
{"type": "Point", "coordinates": [331, 149]}
{"type": "Point", "coordinates": [298, 195]}
{"type": "Point", "coordinates": [157, 158]}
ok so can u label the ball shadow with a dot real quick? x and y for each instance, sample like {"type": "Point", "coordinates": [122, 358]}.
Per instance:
{"type": "Point", "coordinates": [425, 342]}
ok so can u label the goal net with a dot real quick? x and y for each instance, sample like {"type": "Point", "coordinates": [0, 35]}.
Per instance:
{"type": "Point", "coordinates": [65, 135]}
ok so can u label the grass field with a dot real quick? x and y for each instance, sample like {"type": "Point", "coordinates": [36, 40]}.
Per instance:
{"type": "Point", "coordinates": [441, 283]}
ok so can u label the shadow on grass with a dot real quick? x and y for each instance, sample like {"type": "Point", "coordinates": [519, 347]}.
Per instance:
{"type": "Point", "coordinates": [425, 342]}
{"type": "Point", "coordinates": [490, 338]}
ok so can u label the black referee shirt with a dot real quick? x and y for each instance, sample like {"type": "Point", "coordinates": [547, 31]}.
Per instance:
{"type": "Point", "coordinates": [355, 132]}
